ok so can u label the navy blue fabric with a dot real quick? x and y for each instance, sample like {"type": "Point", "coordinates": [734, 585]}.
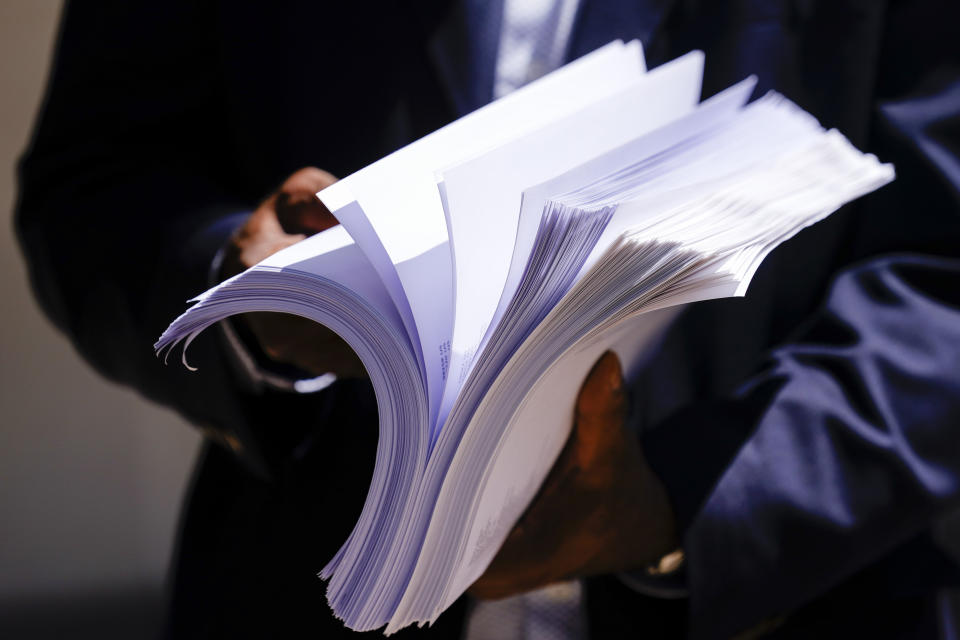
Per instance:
{"type": "Point", "coordinates": [464, 51]}
{"type": "Point", "coordinates": [598, 22]}
{"type": "Point", "coordinates": [806, 434]}
{"type": "Point", "coordinates": [856, 448]}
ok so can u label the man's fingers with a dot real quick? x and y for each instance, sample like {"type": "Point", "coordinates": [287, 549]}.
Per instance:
{"type": "Point", "coordinates": [305, 344]}
{"type": "Point", "coordinates": [600, 410]}
{"type": "Point", "coordinates": [308, 179]}
{"type": "Point", "coordinates": [298, 209]}
{"type": "Point", "coordinates": [303, 213]}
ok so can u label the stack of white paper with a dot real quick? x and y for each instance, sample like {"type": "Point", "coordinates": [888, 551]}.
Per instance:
{"type": "Point", "coordinates": [481, 270]}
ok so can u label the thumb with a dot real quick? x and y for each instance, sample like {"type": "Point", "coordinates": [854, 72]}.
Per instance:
{"type": "Point", "coordinates": [298, 209]}
{"type": "Point", "coordinates": [600, 411]}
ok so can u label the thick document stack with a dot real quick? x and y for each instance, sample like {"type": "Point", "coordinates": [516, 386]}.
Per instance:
{"type": "Point", "coordinates": [480, 271]}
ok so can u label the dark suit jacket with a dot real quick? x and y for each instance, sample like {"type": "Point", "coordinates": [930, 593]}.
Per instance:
{"type": "Point", "coordinates": [806, 434]}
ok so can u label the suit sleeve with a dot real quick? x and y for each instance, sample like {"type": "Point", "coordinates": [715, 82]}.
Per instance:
{"type": "Point", "coordinates": [847, 444]}
{"type": "Point", "coordinates": [126, 193]}
{"type": "Point", "coordinates": [856, 448]}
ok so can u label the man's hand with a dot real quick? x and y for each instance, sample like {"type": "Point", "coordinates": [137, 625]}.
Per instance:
{"type": "Point", "coordinates": [601, 509]}
{"type": "Point", "coordinates": [285, 218]}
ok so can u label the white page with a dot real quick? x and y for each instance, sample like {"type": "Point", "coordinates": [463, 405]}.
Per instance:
{"type": "Point", "coordinates": [536, 435]}
{"type": "Point", "coordinates": [397, 192]}
{"type": "Point", "coordinates": [764, 129]}
{"type": "Point", "coordinates": [483, 195]}
{"type": "Point", "coordinates": [332, 254]}
{"type": "Point", "coordinates": [482, 495]}
{"type": "Point", "coordinates": [393, 211]}
{"type": "Point", "coordinates": [721, 107]}
{"type": "Point", "coordinates": [531, 443]}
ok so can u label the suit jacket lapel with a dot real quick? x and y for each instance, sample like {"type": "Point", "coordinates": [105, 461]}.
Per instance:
{"type": "Point", "coordinates": [600, 21]}
{"type": "Point", "coordinates": [463, 48]}
{"type": "Point", "coordinates": [463, 36]}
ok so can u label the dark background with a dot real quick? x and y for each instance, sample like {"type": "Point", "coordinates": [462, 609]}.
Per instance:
{"type": "Point", "coordinates": [91, 475]}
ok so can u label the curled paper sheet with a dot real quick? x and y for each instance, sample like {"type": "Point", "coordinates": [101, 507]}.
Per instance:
{"type": "Point", "coordinates": [480, 271]}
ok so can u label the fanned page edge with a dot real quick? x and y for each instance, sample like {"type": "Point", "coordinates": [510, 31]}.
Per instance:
{"type": "Point", "coordinates": [395, 241]}
{"type": "Point", "coordinates": [555, 383]}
